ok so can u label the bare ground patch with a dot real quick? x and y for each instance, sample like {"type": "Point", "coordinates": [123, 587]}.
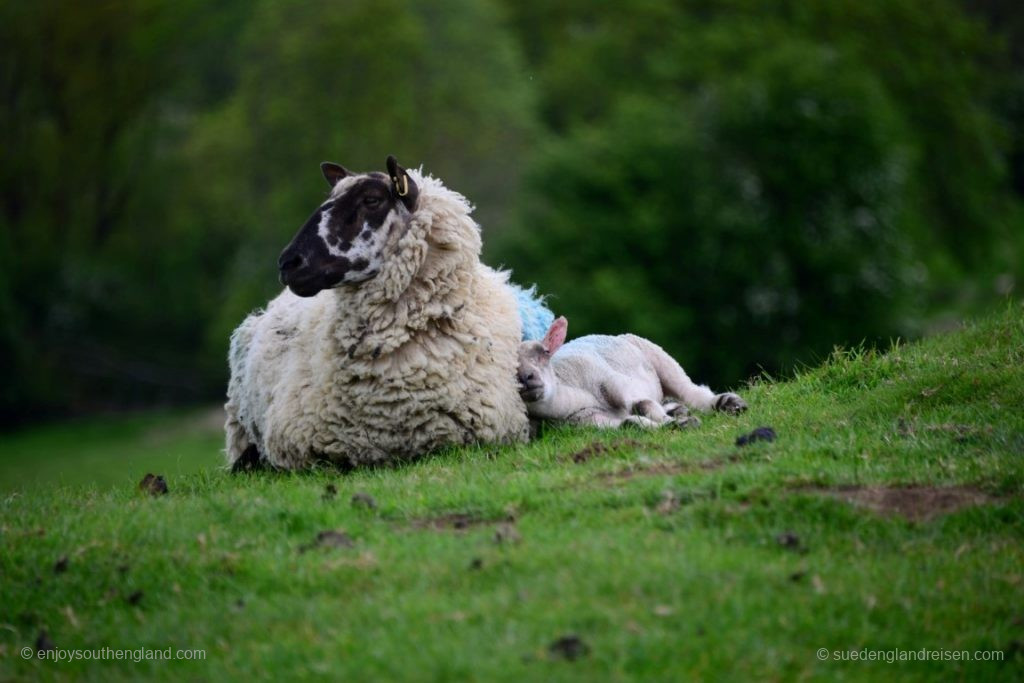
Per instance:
{"type": "Point", "coordinates": [599, 448]}
{"type": "Point", "coordinates": [663, 468]}
{"type": "Point", "coordinates": [453, 521]}
{"type": "Point", "coordinates": [916, 503]}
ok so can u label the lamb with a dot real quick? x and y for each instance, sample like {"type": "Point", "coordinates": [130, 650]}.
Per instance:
{"type": "Point", "coordinates": [391, 340]}
{"type": "Point", "coordinates": [608, 381]}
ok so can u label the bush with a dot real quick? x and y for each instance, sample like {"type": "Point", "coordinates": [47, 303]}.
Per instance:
{"type": "Point", "coordinates": [757, 221]}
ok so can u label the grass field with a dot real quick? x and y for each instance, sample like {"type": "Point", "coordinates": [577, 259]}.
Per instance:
{"type": "Point", "coordinates": [887, 516]}
{"type": "Point", "coordinates": [111, 451]}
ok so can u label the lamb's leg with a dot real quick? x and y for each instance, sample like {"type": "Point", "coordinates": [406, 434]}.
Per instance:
{"type": "Point", "coordinates": [640, 421]}
{"type": "Point", "coordinates": [650, 409]}
{"type": "Point", "coordinates": [648, 415]}
{"type": "Point", "coordinates": [680, 415]}
{"type": "Point", "coordinates": [644, 414]}
{"type": "Point", "coordinates": [675, 383]}
{"type": "Point", "coordinates": [730, 403]}
{"type": "Point", "coordinates": [672, 413]}
{"type": "Point", "coordinates": [593, 417]}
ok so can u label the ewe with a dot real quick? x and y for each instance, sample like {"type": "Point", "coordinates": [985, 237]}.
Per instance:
{"type": "Point", "coordinates": [391, 339]}
{"type": "Point", "coordinates": [610, 381]}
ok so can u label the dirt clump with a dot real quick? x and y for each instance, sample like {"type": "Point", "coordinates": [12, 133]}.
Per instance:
{"type": "Point", "coordinates": [914, 502]}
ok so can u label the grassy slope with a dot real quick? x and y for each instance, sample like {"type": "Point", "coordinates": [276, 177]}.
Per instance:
{"type": "Point", "coordinates": [703, 591]}
{"type": "Point", "coordinates": [110, 451]}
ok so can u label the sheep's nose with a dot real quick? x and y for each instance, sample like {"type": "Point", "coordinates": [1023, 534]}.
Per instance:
{"type": "Point", "coordinates": [289, 262]}
{"type": "Point", "coordinates": [526, 377]}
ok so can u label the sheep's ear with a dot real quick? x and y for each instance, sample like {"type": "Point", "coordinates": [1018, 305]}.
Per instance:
{"type": "Point", "coordinates": [555, 336]}
{"type": "Point", "coordinates": [334, 172]}
{"type": "Point", "coordinates": [402, 184]}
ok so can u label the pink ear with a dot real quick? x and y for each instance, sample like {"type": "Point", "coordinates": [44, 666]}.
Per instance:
{"type": "Point", "coordinates": [555, 336]}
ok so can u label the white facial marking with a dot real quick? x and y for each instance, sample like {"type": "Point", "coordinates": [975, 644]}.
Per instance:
{"type": "Point", "coordinates": [370, 249]}
{"type": "Point", "coordinates": [323, 230]}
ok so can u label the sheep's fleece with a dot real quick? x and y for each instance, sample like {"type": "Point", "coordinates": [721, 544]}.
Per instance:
{"type": "Point", "coordinates": [421, 356]}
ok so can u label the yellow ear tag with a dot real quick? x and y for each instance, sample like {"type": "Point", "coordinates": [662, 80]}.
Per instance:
{"type": "Point", "coordinates": [402, 189]}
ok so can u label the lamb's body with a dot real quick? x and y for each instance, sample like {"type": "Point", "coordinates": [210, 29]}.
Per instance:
{"type": "Point", "coordinates": [605, 380]}
{"type": "Point", "coordinates": [421, 356]}
{"type": "Point", "coordinates": [608, 381]}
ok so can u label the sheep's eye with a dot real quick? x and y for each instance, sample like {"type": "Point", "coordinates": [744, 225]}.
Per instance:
{"type": "Point", "coordinates": [372, 201]}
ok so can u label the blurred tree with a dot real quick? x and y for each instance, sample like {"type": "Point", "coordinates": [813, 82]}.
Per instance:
{"type": "Point", "coordinates": [1005, 18]}
{"type": "Point", "coordinates": [91, 90]}
{"type": "Point", "coordinates": [160, 154]}
{"type": "Point", "coordinates": [759, 221]}
{"type": "Point", "coordinates": [934, 61]}
{"type": "Point", "coordinates": [868, 129]}
{"type": "Point", "coordinates": [439, 85]}
{"type": "Point", "coordinates": [702, 172]}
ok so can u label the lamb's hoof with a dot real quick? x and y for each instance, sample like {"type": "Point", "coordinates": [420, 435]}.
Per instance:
{"type": "Point", "coordinates": [730, 403]}
{"type": "Point", "coordinates": [674, 409]}
{"type": "Point", "coordinates": [685, 422]}
{"type": "Point", "coordinates": [248, 461]}
{"type": "Point", "coordinates": [638, 422]}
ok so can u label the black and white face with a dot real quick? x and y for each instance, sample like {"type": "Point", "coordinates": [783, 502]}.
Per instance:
{"type": "Point", "coordinates": [343, 241]}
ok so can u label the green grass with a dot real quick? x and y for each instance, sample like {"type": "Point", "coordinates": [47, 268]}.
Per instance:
{"type": "Point", "coordinates": [704, 590]}
{"type": "Point", "coordinates": [110, 451]}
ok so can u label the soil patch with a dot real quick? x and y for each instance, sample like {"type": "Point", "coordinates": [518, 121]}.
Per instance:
{"type": "Point", "coordinates": [759, 434]}
{"type": "Point", "coordinates": [364, 500]}
{"type": "Point", "coordinates": [153, 484]}
{"type": "Point", "coordinates": [916, 503]}
{"type": "Point", "coordinates": [570, 647]}
{"type": "Point", "coordinates": [599, 448]}
{"type": "Point", "coordinates": [329, 539]}
{"type": "Point", "coordinates": [457, 521]}
{"type": "Point", "coordinates": [665, 468]}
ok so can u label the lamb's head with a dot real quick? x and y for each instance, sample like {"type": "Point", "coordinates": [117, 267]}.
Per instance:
{"type": "Point", "coordinates": [536, 377]}
{"type": "Point", "coordinates": [343, 241]}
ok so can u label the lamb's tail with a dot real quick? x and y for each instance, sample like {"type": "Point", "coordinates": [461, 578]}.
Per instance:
{"type": "Point", "coordinates": [534, 315]}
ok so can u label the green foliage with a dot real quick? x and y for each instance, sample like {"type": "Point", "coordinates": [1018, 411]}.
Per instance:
{"type": "Point", "coordinates": [352, 82]}
{"type": "Point", "coordinates": [662, 552]}
{"type": "Point", "coordinates": [111, 451]}
{"type": "Point", "coordinates": [158, 156]}
{"type": "Point", "coordinates": [752, 183]}
{"type": "Point", "coordinates": [761, 221]}
{"type": "Point", "coordinates": [832, 171]}
{"type": "Point", "coordinates": [96, 308]}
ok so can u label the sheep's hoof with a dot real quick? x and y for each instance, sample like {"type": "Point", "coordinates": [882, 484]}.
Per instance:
{"type": "Point", "coordinates": [685, 422]}
{"type": "Point", "coordinates": [730, 403]}
{"type": "Point", "coordinates": [248, 461]}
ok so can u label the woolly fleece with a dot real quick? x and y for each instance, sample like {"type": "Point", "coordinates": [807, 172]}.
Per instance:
{"type": "Point", "coordinates": [419, 357]}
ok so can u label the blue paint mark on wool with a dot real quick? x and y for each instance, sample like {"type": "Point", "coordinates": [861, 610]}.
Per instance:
{"type": "Point", "coordinates": [533, 314]}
